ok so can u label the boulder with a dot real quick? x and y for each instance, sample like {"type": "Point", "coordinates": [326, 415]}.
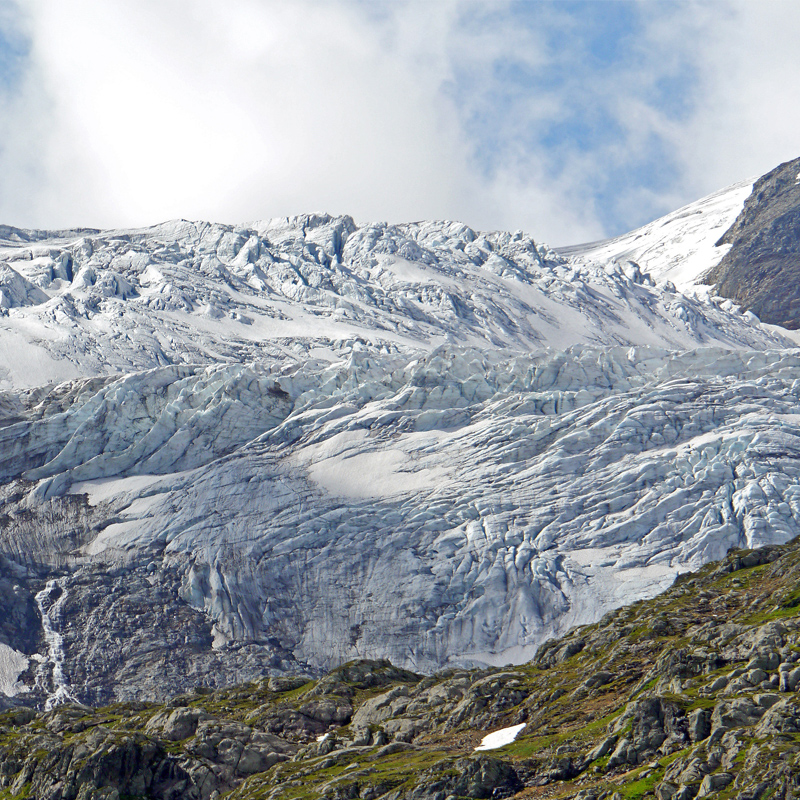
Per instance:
{"type": "Point", "coordinates": [602, 749]}
{"type": "Point", "coordinates": [699, 724]}
{"type": "Point", "coordinates": [479, 777]}
{"type": "Point", "coordinates": [597, 679]}
{"type": "Point", "coordinates": [714, 783]}
{"type": "Point", "coordinates": [783, 717]}
{"type": "Point", "coordinates": [789, 677]}
{"type": "Point", "coordinates": [377, 709]}
{"type": "Point", "coordinates": [176, 725]}
{"type": "Point", "coordinates": [653, 721]}
{"type": "Point", "coordinates": [730, 714]}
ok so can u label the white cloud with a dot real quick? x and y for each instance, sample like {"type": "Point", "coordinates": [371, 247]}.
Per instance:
{"type": "Point", "coordinates": [138, 111]}
{"type": "Point", "coordinates": [134, 111]}
{"type": "Point", "coordinates": [746, 115]}
{"type": "Point", "coordinates": [174, 108]}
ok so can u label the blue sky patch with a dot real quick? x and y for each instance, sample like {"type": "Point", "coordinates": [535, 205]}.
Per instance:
{"type": "Point", "coordinates": [14, 47]}
{"type": "Point", "coordinates": [567, 104]}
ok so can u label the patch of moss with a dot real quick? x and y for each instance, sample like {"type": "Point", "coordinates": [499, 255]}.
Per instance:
{"type": "Point", "coordinates": [527, 747]}
{"type": "Point", "coordinates": [641, 787]}
{"type": "Point", "coordinates": [389, 772]}
{"type": "Point", "coordinates": [24, 793]}
{"type": "Point", "coordinates": [295, 694]}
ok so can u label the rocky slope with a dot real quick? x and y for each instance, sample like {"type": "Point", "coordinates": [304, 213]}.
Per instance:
{"type": "Point", "coordinates": [761, 269]}
{"type": "Point", "coordinates": [691, 694]}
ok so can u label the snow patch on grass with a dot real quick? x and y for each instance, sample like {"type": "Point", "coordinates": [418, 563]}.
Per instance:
{"type": "Point", "coordinates": [500, 738]}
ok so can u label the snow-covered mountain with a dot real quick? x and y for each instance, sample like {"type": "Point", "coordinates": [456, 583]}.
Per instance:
{"type": "Point", "coordinates": [82, 304]}
{"type": "Point", "coordinates": [237, 450]}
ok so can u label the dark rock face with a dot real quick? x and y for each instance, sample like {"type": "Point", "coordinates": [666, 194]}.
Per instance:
{"type": "Point", "coordinates": [761, 271]}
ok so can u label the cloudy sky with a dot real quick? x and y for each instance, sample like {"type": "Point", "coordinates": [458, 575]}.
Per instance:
{"type": "Point", "coordinates": [570, 119]}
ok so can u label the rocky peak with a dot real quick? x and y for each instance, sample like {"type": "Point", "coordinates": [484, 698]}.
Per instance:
{"type": "Point", "coordinates": [761, 270]}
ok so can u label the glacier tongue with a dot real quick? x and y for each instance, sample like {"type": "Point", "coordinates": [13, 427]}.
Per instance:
{"type": "Point", "coordinates": [460, 506]}
{"type": "Point", "coordinates": [284, 445]}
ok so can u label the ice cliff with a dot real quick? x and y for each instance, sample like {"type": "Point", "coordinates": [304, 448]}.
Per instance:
{"type": "Point", "coordinates": [232, 451]}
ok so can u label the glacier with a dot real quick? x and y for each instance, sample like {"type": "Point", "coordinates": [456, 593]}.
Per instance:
{"type": "Point", "coordinates": [235, 451]}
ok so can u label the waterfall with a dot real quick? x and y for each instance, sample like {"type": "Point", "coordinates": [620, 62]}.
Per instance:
{"type": "Point", "coordinates": [51, 623]}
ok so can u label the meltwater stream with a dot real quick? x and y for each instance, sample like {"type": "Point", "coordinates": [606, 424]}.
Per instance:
{"type": "Point", "coordinates": [50, 611]}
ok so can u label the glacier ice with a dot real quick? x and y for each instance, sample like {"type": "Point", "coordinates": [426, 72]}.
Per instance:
{"type": "Point", "coordinates": [316, 441]}
{"type": "Point", "coordinates": [463, 505]}
{"type": "Point", "coordinates": [197, 293]}
{"type": "Point", "coordinates": [12, 665]}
